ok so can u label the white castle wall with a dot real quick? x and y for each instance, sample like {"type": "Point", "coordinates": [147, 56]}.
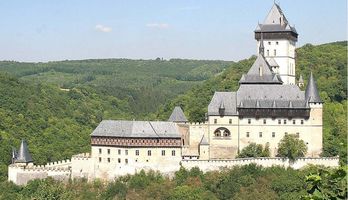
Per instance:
{"type": "Point", "coordinates": [21, 174]}
{"type": "Point", "coordinates": [211, 165]}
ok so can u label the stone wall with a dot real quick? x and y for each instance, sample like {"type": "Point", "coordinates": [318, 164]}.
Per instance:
{"type": "Point", "coordinates": [211, 165]}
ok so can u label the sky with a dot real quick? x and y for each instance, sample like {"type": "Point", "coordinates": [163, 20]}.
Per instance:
{"type": "Point", "coordinates": [51, 30]}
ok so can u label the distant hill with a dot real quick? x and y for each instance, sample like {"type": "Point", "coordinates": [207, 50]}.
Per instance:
{"type": "Point", "coordinates": [328, 62]}
{"type": "Point", "coordinates": [145, 84]}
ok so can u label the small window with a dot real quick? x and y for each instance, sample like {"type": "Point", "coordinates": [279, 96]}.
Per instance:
{"type": "Point", "coordinates": [260, 134]}
{"type": "Point", "coordinates": [264, 121]}
{"type": "Point", "coordinates": [275, 52]}
{"type": "Point", "coordinates": [284, 121]}
{"type": "Point", "coordinates": [286, 133]}
{"type": "Point", "coordinates": [298, 135]}
{"type": "Point", "coordinates": [173, 152]}
{"type": "Point", "coordinates": [249, 121]}
{"type": "Point", "coordinates": [100, 159]}
{"type": "Point", "coordinates": [269, 43]}
{"type": "Point", "coordinates": [247, 134]}
{"type": "Point", "coordinates": [279, 121]}
{"type": "Point", "coordinates": [163, 152]}
{"type": "Point", "coordinates": [230, 121]}
{"type": "Point", "coordinates": [108, 151]}
{"type": "Point", "coordinates": [100, 151]}
{"type": "Point", "coordinates": [293, 121]}
{"type": "Point", "coordinates": [119, 152]}
{"type": "Point", "coordinates": [126, 152]}
{"type": "Point", "coordinates": [108, 160]}
{"type": "Point", "coordinates": [149, 152]}
{"type": "Point", "coordinates": [215, 121]}
{"type": "Point", "coordinates": [301, 121]}
{"type": "Point", "coordinates": [137, 152]}
{"type": "Point", "coordinates": [273, 134]}
{"type": "Point", "coordinates": [119, 160]}
{"type": "Point", "coordinates": [267, 52]}
{"type": "Point", "coordinates": [277, 43]}
{"type": "Point", "coordinates": [126, 161]}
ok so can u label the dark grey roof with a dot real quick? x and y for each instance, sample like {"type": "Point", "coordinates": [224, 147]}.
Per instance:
{"type": "Point", "coordinates": [275, 22]}
{"type": "Point", "coordinates": [204, 141]}
{"type": "Point", "coordinates": [254, 76]}
{"type": "Point", "coordinates": [177, 115]}
{"type": "Point", "coordinates": [229, 101]}
{"type": "Point", "coordinates": [137, 129]}
{"type": "Point", "coordinates": [312, 94]}
{"type": "Point", "coordinates": [23, 155]}
{"type": "Point", "coordinates": [272, 63]}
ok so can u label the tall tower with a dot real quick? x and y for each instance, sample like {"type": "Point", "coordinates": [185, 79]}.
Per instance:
{"type": "Point", "coordinates": [279, 43]}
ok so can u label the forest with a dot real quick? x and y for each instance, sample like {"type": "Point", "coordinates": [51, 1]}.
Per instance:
{"type": "Point", "coordinates": [56, 105]}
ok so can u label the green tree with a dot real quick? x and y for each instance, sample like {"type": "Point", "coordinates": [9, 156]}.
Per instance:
{"type": "Point", "coordinates": [254, 150]}
{"type": "Point", "coordinates": [290, 146]}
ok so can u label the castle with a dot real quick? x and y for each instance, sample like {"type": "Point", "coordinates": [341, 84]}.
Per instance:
{"type": "Point", "coordinates": [268, 105]}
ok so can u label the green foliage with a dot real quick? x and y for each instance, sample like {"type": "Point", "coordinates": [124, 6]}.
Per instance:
{"type": "Point", "coordinates": [254, 150]}
{"type": "Point", "coordinates": [291, 147]}
{"type": "Point", "coordinates": [144, 84]}
{"type": "Point", "coordinates": [327, 184]}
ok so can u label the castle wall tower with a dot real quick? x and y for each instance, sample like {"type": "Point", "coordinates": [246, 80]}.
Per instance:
{"type": "Point", "coordinates": [279, 43]}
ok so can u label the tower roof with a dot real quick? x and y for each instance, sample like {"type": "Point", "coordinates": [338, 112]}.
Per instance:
{"type": "Point", "coordinates": [177, 115]}
{"type": "Point", "coordinates": [312, 94]}
{"type": "Point", "coordinates": [276, 16]}
{"type": "Point", "coordinates": [23, 154]}
{"type": "Point", "coordinates": [260, 72]}
{"type": "Point", "coordinates": [204, 141]}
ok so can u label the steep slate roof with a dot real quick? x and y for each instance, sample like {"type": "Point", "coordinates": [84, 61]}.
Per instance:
{"type": "Point", "coordinates": [253, 75]}
{"type": "Point", "coordinates": [23, 155]}
{"type": "Point", "coordinates": [275, 22]}
{"type": "Point", "coordinates": [137, 129]}
{"type": "Point", "coordinates": [204, 141]}
{"type": "Point", "coordinates": [229, 101]}
{"type": "Point", "coordinates": [177, 115]}
{"type": "Point", "coordinates": [273, 63]}
{"type": "Point", "coordinates": [312, 94]}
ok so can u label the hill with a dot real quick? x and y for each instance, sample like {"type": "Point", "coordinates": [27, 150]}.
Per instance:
{"type": "Point", "coordinates": [55, 123]}
{"type": "Point", "coordinates": [328, 62]}
{"type": "Point", "coordinates": [145, 84]}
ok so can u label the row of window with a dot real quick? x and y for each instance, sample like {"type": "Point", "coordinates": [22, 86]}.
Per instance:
{"type": "Point", "coordinates": [118, 160]}
{"type": "Point", "coordinates": [273, 134]}
{"type": "Point", "coordinates": [137, 152]}
{"type": "Point", "coordinates": [280, 121]}
{"type": "Point", "coordinates": [275, 42]}
{"type": "Point", "coordinates": [274, 52]}
{"type": "Point", "coordinates": [229, 121]}
{"type": "Point", "coordinates": [265, 121]}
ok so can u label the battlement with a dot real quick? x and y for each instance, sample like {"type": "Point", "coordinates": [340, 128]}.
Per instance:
{"type": "Point", "coordinates": [210, 165]}
{"type": "Point", "coordinates": [81, 156]}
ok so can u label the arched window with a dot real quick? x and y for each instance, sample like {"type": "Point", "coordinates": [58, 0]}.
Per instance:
{"type": "Point", "coordinates": [222, 132]}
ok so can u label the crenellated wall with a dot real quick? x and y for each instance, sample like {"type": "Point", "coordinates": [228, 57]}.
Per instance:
{"type": "Point", "coordinates": [211, 165]}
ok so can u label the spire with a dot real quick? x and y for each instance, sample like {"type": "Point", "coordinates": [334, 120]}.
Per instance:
{"type": "Point", "coordinates": [290, 104]}
{"type": "Point", "coordinates": [177, 115]}
{"type": "Point", "coordinates": [312, 94]}
{"type": "Point", "coordinates": [261, 48]}
{"type": "Point", "coordinates": [257, 104]}
{"type": "Point", "coordinates": [23, 154]}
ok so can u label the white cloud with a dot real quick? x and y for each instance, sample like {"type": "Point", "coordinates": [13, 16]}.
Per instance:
{"type": "Point", "coordinates": [158, 25]}
{"type": "Point", "coordinates": [102, 28]}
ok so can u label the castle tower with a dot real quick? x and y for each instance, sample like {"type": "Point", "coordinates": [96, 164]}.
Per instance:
{"type": "Point", "coordinates": [316, 116]}
{"type": "Point", "coordinates": [278, 41]}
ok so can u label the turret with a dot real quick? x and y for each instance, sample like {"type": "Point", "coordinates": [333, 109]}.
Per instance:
{"type": "Point", "coordinates": [23, 156]}
{"type": "Point", "coordinates": [312, 94]}
{"type": "Point", "coordinates": [178, 116]}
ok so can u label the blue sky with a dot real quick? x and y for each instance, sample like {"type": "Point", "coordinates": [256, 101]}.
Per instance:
{"type": "Point", "coordinates": [42, 30]}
